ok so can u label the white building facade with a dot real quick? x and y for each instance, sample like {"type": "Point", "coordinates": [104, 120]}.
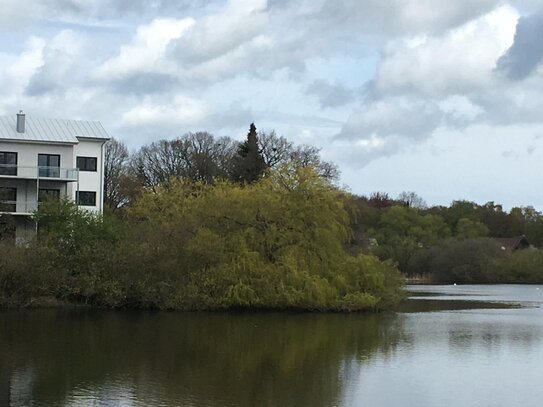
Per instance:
{"type": "Point", "coordinates": [41, 158]}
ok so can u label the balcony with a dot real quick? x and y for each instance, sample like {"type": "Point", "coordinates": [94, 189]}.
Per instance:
{"type": "Point", "coordinates": [18, 207]}
{"type": "Point", "coordinates": [11, 171]}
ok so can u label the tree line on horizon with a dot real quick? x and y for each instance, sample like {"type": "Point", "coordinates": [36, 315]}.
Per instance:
{"type": "Point", "coordinates": [456, 243]}
{"type": "Point", "coordinates": [199, 223]}
{"type": "Point", "coordinates": [449, 243]}
{"type": "Point", "coordinates": [202, 157]}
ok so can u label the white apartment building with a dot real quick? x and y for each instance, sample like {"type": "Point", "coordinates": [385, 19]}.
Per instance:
{"type": "Point", "coordinates": [42, 158]}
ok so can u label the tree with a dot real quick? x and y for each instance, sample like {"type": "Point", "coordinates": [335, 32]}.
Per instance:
{"type": "Point", "coordinates": [533, 220]}
{"type": "Point", "coordinates": [249, 164]}
{"type": "Point", "coordinates": [207, 158]}
{"type": "Point", "coordinates": [277, 242]}
{"type": "Point", "coordinates": [411, 200]}
{"type": "Point", "coordinates": [380, 200]}
{"type": "Point", "coordinates": [460, 261]}
{"type": "Point", "coordinates": [470, 229]}
{"type": "Point", "coordinates": [115, 173]}
{"type": "Point", "coordinates": [309, 156]}
{"type": "Point", "coordinates": [197, 156]}
{"type": "Point", "coordinates": [275, 149]}
{"type": "Point", "coordinates": [403, 231]}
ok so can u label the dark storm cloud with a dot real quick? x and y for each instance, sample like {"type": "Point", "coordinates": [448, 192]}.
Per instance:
{"type": "Point", "coordinates": [526, 53]}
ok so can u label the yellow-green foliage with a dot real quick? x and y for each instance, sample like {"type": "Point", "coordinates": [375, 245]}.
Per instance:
{"type": "Point", "coordinates": [277, 243]}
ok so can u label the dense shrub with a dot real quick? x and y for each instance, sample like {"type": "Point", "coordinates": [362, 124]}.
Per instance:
{"type": "Point", "coordinates": [403, 231]}
{"type": "Point", "coordinates": [277, 243]}
{"type": "Point", "coordinates": [459, 261]}
{"type": "Point", "coordinates": [522, 266]}
{"type": "Point", "coordinates": [478, 261]}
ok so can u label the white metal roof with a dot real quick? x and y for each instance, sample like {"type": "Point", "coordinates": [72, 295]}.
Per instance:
{"type": "Point", "coordinates": [51, 130]}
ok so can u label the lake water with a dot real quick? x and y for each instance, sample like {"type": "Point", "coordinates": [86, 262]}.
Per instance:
{"type": "Point", "coordinates": [452, 346]}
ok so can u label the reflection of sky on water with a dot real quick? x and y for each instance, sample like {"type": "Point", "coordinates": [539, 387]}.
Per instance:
{"type": "Point", "coordinates": [477, 357]}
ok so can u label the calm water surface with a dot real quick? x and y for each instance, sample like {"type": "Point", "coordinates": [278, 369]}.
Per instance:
{"type": "Point", "coordinates": [451, 346]}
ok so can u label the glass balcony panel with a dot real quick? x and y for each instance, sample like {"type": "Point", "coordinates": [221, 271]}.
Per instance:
{"type": "Point", "coordinates": [46, 172]}
{"type": "Point", "coordinates": [49, 172]}
{"type": "Point", "coordinates": [8, 169]}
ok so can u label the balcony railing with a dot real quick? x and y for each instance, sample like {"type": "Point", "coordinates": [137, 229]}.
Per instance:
{"type": "Point", "coordinates": [41, 172]}
{"type": "Point", "coordinates": [22, 207]}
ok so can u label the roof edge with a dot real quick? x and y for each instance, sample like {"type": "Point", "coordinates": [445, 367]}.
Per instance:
{"type": "Point", "coordinates": [27, 141]}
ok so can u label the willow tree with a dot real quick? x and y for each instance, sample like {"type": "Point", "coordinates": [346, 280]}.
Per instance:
{"type": "Point", "coordinates": [275, 243]}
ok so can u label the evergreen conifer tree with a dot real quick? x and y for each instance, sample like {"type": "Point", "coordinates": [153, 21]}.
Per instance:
{"type": "Point", "coordinates": [249, 164]}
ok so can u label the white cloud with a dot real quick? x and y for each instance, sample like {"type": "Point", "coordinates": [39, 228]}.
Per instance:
{"type": "Point", "coordinates": [330, 94]}
{"type": "Point", "coordinates": [513, 102]}
{"type": "Point", "coordinates": [239, 38]}
{"type": "Point", "coordinates": [181, 110]}
{"type": "Point", "coordinates": [15, 12]}
{"type": "Point", "coordinates": [61, 66]}
{"type": "Point", "coordinates": [396, 116]}
{"type": "Point", "coordinates": [147, 50]}
{"type": "Point", "coordinates": [401, 17]}
{"type": "Point", "coordinates": [218, 34]}
{"type": "Point", "coordinates": [460, 109]}
{"type": "Point", "coordinates": [17, 71]}
{"type": "Point", "coordinates": [445, 81]}
{"type": "Point", "coordinates": [225, 43]}
{"type": "Point", "coordinates": [460, 60]}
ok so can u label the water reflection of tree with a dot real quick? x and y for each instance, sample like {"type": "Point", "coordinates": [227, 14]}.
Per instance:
{"type": "Point", "coordinates": [204, 359]}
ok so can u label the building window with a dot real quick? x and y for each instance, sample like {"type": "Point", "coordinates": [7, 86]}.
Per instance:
{"type": "Point", "coordinates": [86, 198]}
{"type": "Point", "coordinates": [8, 199]}
{"type": "Point", "coordinates": [48, 194]}
{"type": "Point", "coordinates": [8, 163]}
{"type": "Point", "coordinates": [49, 165]}
{"type": "Point", "coordinates": [87, 163]}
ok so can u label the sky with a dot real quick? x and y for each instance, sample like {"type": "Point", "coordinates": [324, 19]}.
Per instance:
{"type": "Point", "coordinates": [440, 97]}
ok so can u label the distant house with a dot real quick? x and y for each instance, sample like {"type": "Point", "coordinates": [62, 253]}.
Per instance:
{"type": "Point", "coordinates": [48, 158]}
{"type": "Point", "coordinates": [513, 243]}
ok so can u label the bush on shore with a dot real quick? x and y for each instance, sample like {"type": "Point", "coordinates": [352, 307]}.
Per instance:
{"type": "Point", "coordinates": [277, 243]}
{"type": "Point", "coordinates": [521, 267]}
{"type": "Point", "coordinates": [478, 261]}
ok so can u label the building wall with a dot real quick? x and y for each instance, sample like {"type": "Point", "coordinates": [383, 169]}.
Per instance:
{"type": "Point", "coordinates": [27, 154]}
{"type": "Point", "coordinates": [27, 162]}
{"type": "Point", "coordinates": [88, 180]}
{"type": "Point", "coordinates": [28, 184]}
